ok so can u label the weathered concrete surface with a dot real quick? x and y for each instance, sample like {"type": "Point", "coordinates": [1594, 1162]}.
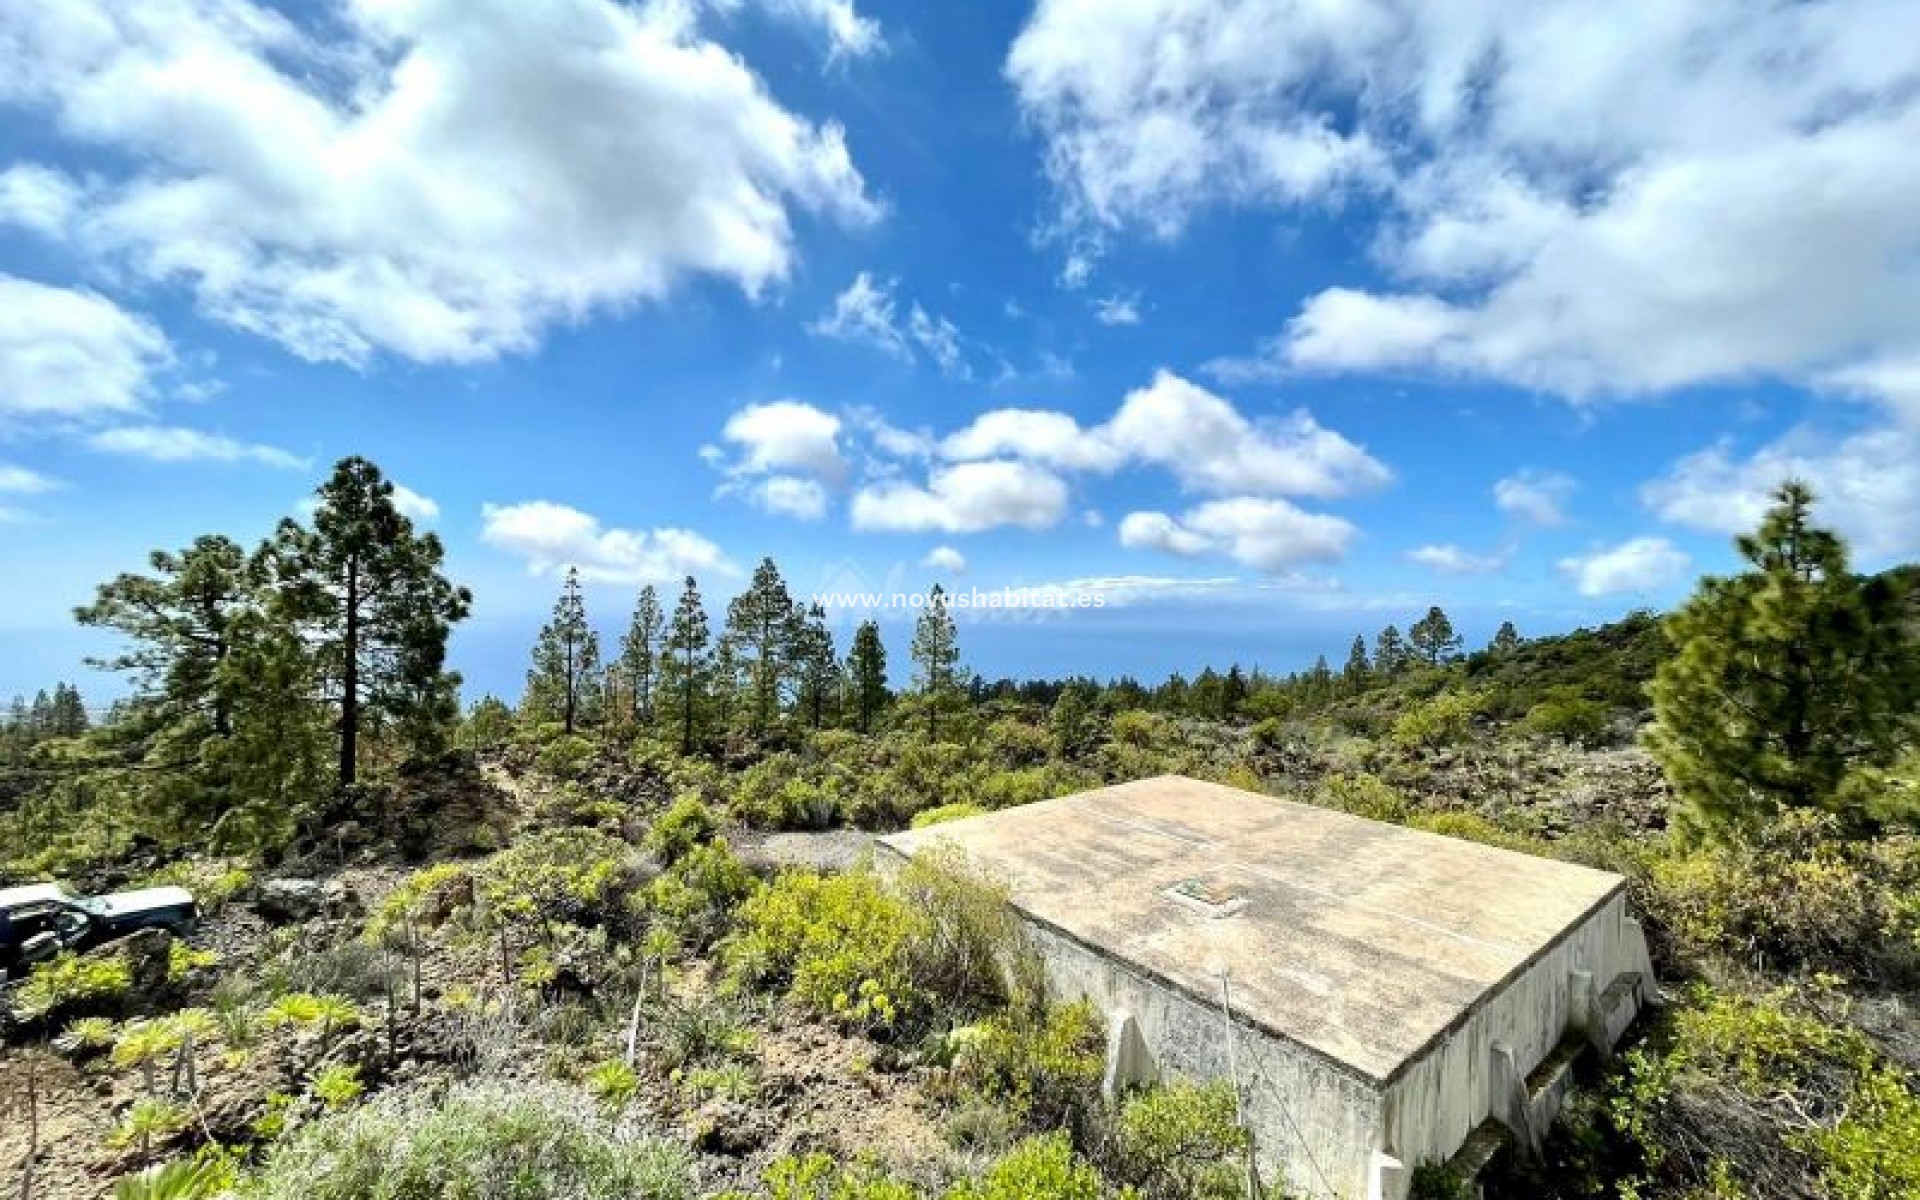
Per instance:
{"type": "Point", "coordinates": [1360, 940]}
{"type": "Point", "coordinates": [1373, 969]}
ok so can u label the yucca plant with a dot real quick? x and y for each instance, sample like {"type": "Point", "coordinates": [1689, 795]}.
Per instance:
{"type": "Point", "coordinates": [87, 1035]}
{"type": "Point", "coordinates": [336, 1085]}
{"type": "Point", "coordinates": [149, 1120]}
{"type": "Point", "coordinates": [181, 1179]}
{"type": "Point", "coordinates": [613, 1083]}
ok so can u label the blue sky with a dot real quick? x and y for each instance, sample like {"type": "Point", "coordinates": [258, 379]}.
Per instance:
{"type": "Point", "coordinates": [1268, 322]}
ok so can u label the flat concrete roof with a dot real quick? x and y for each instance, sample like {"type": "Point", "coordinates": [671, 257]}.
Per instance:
{"type": "Point", "coordinates": [1359, 940]}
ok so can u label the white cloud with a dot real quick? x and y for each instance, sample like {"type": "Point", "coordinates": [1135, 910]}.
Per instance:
{"type": "Point", "coordinates": [443, 180]}
{"type": "Point", "coordinates": [787, 435]}
{"type": "Point", "coordinates": [1868, 484]}
{"type": "Point", "coordinates": [866, 313]}
{"type": "Point", "coordinates": [24, 481]}
{"type": "Point", "coordinates": [1117, 310]}
{"type": "Point", "coordinates": [945, 558]}
{"type": "Point", "coordinates": [72, 356]}
{"type": "Point", "coordinates": [1638, 565]}
{"type": "Point", "coordinates": [1591, 200]}
{"type": "Point", "coordinates": [1197, 436]}
{"type": "Point", "coordinates": [1449, 559]}
{"type": "Point", "coordinates": [849, 33]}
{"type": "Point", "coordinates": [1047, 437]}
{"type": "Point", "coordinates": [1151, 110]}
{"type": "Point", "coordinates": [790, 496]}
{"type": "Point", "coordinates": [552, 537]}
{"type": "Point", "coordinates": [413, 505]}
{"type": "Point", "coordinates": [1538, 496]}
{"type": "Point", "coordinates": [1210, 447]}
{"type": "Point", "coordinates": [175, 444]}
{"type": "Point", "coordinates": [965, 498]}
{"type": "Point", "coordinates": [1271, 535]}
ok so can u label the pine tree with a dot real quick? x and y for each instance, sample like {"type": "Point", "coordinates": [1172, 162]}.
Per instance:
{"type": "Point", "coordinates": [1390, 652]}
{"type": "Point", "coordinates": [565, 676]}
{"type": "Point", "coordinates": [179, 621]}
{"type": "Point", "coordinates": [686, 661]}
{"type": "Point", "coordinates": [936, 658]}
{"type": "Point", "coordinates": [867, 673]}
{"type": "Point", "coordinates": [1233, 692]}
{"type": "Point", "coordinates": [640, 652]}
{"type": "Point", "coordinates": [761, 628]}
{"type": "Point", "coordinates": [1433, 638]}
{"type": "Point", "coordinates": [815, 661]}
{"type": "Point", "coordinates": [1357, 669]}
{"type": "Point", "coordinates": [366, 593]}
{"type": "Point", "coordinates": [1783, 680]}
{"type": "Point", "coordinates": [1505, 641]}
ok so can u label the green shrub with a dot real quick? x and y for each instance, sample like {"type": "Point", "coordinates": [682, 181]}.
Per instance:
{"type": "Point", "coordinates": [70, 982]}
{"type": "Point", "coordinates": [1143, 730]}
{"type": "Point", "coordinates": [945, 813]}
{"type": "Point", "coordinates": [695, 898]}
{"type": "Point", "coordinates": [1183, 1142]}
{"type": "Point", "coordinates": [1444, 720]}
{"type": "Point", "coordinates": [566, 757]}
{"type": "Point", "coordinates": [1569, 717]}
{"type": "Point", "coordinates": [150, 1120]}
{"type": "Point", "coordinates": [416, 898]}
{"type": "Point", "coordinates": [572, 876]}
{"type": "Point", "coordinates": [686, 823]}
{"type": "Point", "coordinates": [1798, 895]}
{"type": "Point", "coordinates": [1363, 795]}
{"type": "Point", "coordinates": [1045, 1070]}
{"type": "Point", "coordinates": [522, 1140]}
{"type": "Point", "coordinates": [835, 943]}
{"type": "Point", "coordinates": [818, 1177]}
{"type": "Point", "coordinates": [1472, 827]}
{"type": "Point", "coordinates": [1040, 1168]}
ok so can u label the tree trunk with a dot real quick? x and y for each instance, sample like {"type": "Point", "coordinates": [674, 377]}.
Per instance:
{"type": "Point", "coordinates": [350, 681]}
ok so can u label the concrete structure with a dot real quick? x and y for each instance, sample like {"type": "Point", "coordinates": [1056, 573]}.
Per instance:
{"type": "Point", "coordinates": [1393, 996]}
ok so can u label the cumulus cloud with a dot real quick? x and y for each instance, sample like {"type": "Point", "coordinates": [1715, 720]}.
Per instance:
{"type": "Point", "coordinates": [1268, 534]}
{"type": "Point", "coordinates": [849, 33]}
{"type": "Point", "coordinates": [1571, 197]}
{"type": "Point", "coordinates": [1053, 438]}
{"type": "Point", "coordinates": [72, 356]}
{"type": "Point", "coordinates": [551, 537]}
{"type": "Point", "coordinates": [866, 313]}
{"type": "Point", "coordinates": [176, 444]}
{"type": "Point", "coordinates": [790, 496]}
{"type": "Point", "coordinates": [1868, 483]}
{"type": "Point", "coordinates": [945, 558]}
{"type": "Point", "coordinates": [337, 185]}
{"type": "Point", "coordinates": [415, 506]}
{"type": "Point", "coordinates": [964, 498]}
{"type": "Point", "coordinates": [1197, 436]}
{"type": "Point", "coordinates": [1449, 559]}
{"type": "Point", "coordinates": [787, 435]}
{"type": "Point", "coordinates": [1537, 496]}
{"type": "Point", "coordinates": [24, 481]}
{"type": "Point", "coordinates": [1638, 565]}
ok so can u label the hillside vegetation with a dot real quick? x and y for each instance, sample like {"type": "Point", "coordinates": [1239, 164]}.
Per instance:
{"type": "Point", "coordinates": [617, 938]}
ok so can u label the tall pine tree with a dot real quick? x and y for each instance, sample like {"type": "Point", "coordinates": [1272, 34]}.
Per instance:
{"type": "Point", "coordinates": [867, 674]}
{"type": "Point", "coordinates": [761, 627]}
{"type": "Point", "coordinates": [367, 595]}
{"type": "Point", "coordinates": [815, 664]}
{"type": "Point", "coordinates": [936, 658]}
{"type": "Point", "coordinates": [685, 662]}
{"type": "Point", "coordinates": [640, 652]}
{"type": "Point", "coordinates": [565, 677]}
{"type": "Point", "coordinates": [1782, 680]}
{"type": "Point", "coordinates": [1433, 638]}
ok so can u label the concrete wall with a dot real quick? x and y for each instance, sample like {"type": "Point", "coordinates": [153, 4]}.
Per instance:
{"type": "Point", "coordinates": [1315, 1126]}
{"type": "Point", "coordinates": [1432, 1107]}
